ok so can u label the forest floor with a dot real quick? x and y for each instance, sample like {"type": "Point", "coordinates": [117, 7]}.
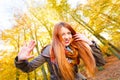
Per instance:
{"type": "Point", "coordinates": [111, 70]}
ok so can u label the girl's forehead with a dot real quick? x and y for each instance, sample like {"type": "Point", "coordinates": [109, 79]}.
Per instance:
{"type": "Point", "coordinates": [64, 29]}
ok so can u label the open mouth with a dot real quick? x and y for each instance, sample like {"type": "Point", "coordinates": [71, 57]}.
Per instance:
{"type": "Point", "coordinates": [66, 42]}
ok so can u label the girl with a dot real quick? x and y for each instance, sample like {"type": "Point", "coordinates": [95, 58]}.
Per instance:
{"type": "Point", "coordinates": [63, 54]}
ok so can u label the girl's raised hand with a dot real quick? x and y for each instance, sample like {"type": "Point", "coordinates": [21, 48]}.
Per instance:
{"type": "Point", "coordinates": [78, 37]}
{"type": "Point", "coordinates": [25, 51]}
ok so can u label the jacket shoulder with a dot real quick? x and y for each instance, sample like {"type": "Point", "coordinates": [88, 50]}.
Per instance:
{"type": "Point", "coordinates": [46, 51]}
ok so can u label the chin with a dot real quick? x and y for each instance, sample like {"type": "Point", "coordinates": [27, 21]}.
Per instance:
{"type": "Point", "coordinates": [67, 44]}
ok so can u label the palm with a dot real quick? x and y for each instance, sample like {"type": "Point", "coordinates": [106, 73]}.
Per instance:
{"type": "Point", "coordinates": [25, 51]}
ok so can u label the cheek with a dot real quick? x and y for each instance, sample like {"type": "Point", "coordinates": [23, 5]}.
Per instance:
{"type": "Point", "coordinates": [63, 37]}
{"type": "Point", "coordinates": [70, 36]}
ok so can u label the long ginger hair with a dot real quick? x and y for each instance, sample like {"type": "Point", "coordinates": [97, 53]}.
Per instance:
{"type": "Point", "coordinates": [57, 53]}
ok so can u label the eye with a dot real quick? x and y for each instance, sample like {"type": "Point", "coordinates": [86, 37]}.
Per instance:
{"type": "Point", "coordinates": [63, 34]}
{"type": "Point", "coordinates": [69, 33]}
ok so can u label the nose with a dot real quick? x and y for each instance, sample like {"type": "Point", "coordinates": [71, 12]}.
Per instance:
{"type": "Point", "coordinates": [66, 36]}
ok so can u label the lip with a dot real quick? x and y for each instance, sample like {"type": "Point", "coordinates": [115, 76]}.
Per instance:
{"type": "Point", "coordinates": [66, 42]}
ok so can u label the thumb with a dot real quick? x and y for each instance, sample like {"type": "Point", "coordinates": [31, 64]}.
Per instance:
{"type": "Point", "coordinates": [30, 56]}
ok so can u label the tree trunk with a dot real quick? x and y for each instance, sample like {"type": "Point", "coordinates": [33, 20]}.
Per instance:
{"type": "Point", "coordinates": [44, 72]}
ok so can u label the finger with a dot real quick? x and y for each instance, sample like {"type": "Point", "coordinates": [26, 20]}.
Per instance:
{"type": "Point", "coordinates": [78, 40]}
{"type": "Point", "coordinates": [74, 35]}
{"type": "Point", "coordinates": [77, 37]}
{"type": "Point", "coordinates": [31, 43]}
{"type": "Point", "coordinates": [32, 46]}
{"type": "Point", "coordinates": [22, 48]}
{"type": "Point", "coordinates": [24, 44]}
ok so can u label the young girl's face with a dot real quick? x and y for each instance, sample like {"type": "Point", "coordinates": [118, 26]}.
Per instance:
{"type": "Point", "coordinates": [66, 36]}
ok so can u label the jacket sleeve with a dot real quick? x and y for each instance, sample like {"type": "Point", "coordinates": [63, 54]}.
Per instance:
{"type": "Point", "coordinates": [26, 66]}
{"type": "Point", "coordinates": [98, 55]}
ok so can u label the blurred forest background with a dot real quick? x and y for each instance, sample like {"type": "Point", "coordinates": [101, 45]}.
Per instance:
{"type": "Point", "coordinates": [99, 20]}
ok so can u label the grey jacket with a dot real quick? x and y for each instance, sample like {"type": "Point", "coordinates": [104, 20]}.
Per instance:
{"type": "Point", "coordinates": [26, 66]}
